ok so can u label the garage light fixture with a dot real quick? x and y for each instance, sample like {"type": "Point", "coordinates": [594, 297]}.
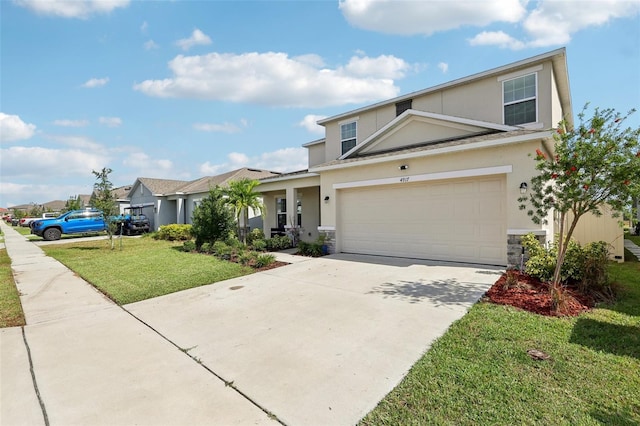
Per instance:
{"type": "Point", "coordinates": [523, 188]}
{"type": "Point", "coordinates": [404, 167]}
{"type": "Point", "coordinates": [326, 198]}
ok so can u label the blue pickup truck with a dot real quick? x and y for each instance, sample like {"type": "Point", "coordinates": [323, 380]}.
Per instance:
{"type": "Point", "coordinates": [71, 222]}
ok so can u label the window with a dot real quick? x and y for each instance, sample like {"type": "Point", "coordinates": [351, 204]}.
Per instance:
{"type": "Point", "coordinates": [281, 214]}
{"type": "Point", "coordinates": [519, 96]}
{"type": "Point", "coordinates": [403, 106]}
{"type": "Point", "coordinates": [348, 136]}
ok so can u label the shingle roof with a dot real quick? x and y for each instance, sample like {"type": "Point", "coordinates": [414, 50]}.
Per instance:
{"type": "Point", "coordinates": [121, 192]}
{"type": "Point", "coordinates": [207, 182]}
{"type": "Point", "coordinates": [162, 186]}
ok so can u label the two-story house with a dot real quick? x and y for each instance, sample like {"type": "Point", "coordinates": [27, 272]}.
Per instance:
{"type": "Point", "coordinates": [434, 174]}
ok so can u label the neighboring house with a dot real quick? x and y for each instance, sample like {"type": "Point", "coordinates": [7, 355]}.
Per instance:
{"type": "Point", "coordinates": [434, 174]}
{"type": "Point", "coordinates": [121, 194]}
{"type": "Point", "coordinates": [153, 194]}
{"type": "Point", "coordinates": [173, 201]}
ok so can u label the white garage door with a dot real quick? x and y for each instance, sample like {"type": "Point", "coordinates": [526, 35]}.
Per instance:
{"type": "Point", "coordinates": [457, 219]}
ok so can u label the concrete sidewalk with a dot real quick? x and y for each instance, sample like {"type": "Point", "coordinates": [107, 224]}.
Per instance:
{"type": "Point", "coordinates": [95, 364]}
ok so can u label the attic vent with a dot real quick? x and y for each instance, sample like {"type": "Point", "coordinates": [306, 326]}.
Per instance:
{"type": "Point", "coordinates": [403, 106]}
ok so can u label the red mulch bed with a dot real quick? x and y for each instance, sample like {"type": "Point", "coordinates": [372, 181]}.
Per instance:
{"type": "Point", "coordinates": [532, 295]}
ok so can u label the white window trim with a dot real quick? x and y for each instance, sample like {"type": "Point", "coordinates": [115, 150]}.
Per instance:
{"type": "Point", "coordinates": [535, 97]}
{"type": "Point", "coordinates": [343, 123]}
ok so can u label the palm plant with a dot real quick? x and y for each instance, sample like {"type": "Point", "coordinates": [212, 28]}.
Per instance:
{"type": "Point", "coordinates": [242, 197]}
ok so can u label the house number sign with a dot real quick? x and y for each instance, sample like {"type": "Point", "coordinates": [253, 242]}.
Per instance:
{"type": "Point", "coordinates": [404, 180]}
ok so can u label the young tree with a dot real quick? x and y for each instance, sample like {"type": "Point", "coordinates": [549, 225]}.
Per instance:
{"type": "Point", "coordinates": [73, 203]}
{"type": "Point", "coordinates": [212, 218]}
{"type": "Point", "coordinates": [242, 197]}
{"type": "Point", "coordinates": [103, 199]}
{"type": "Point", "coordinates": [595, 164]}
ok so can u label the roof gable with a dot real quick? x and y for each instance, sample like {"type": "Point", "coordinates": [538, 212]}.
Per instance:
{"type": "Point", "coordinates": [158, 186]}
{"type": "Point", "coordinates": [208, 182]}
{"type": "Point", "coordinates": [414, 127]}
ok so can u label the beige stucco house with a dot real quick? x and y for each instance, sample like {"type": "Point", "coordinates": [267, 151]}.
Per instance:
{"type": "Point", "coordinates": [434, 174]}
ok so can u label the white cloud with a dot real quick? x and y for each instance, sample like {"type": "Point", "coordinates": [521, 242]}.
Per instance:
{"type": "Point", "coordinates": [12, 128]}
{"type": "Point", "coordinates": [552, 22]}
{"type": "Point", "coordinates": [276, 79]}
{"type": "Point", "coordinates": [544, 22]}
{"type": "Point", "coordinates": [427, 17]}
{"type": "Point", "coordinates": [283, 160]}
{"type": "Point", "coordinates": [309, 122]}
{"type": "Point", "coordinates": [221, 128]}
{"type": "Point", "coordinates": [197, 38]}
{"type": "Point", "coordinates": [79, 142]}
{"type": "Point", "coordinates": [95, 82]}
{"type": "Point", "coordinates": [150, 45]}
{"type": "Point", "coordinates": [496, 38]}
{"type": "Point", "coordinates": [384, 66]}
{"type": "Point", "coordinates": [444, 67]}
{"type": "Point", "coordinates": [72, 8]}
{"type": "Point", "coordinates": [35, 162]}
{"type": "Point", "coordinates": [110, 121]}
{"type": "Point", "coordinates": [144, 27]}
{"type": "Point", "coordinates": [147, 166]}
{"type": "Point", "coordinates": [71, 123]}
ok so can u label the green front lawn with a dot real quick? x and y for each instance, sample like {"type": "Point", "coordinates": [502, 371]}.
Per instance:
{"type": "Point", "coordinates": [10, 308]}
{"type": "Point", "coordinates": [479, 372]}
{"type": "Point", "coordinates": [144, 268]}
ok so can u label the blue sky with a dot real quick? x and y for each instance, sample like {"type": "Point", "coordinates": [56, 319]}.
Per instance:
{"type": "Point", "coordinates": [186, 89]}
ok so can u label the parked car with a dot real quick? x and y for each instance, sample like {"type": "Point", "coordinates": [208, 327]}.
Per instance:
{"type": "Point", "coordinates": [26, 221]}
{"type": "Point", "coordinates": [15, 221]}
{"type": "Point", "coordinates": [71, 222]}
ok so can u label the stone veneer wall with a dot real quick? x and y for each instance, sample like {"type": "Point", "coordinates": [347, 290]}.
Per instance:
{"type": "Point", "coordinates": [514, 249]}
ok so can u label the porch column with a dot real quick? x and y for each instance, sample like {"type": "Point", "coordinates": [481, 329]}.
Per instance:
{"type": "Point", "coordinates": [179, 211]}
{"type": "Point", "coordinates": [156, 214]}
{"type": "Point", "coordinates": [291, 206]}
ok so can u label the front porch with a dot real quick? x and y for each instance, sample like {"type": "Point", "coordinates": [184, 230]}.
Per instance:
{"type": "Point", "coordinates": [292, 205]}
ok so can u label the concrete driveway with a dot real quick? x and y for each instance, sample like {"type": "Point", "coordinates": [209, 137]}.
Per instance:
{"type": "Point", "coordinates": [320, 341]}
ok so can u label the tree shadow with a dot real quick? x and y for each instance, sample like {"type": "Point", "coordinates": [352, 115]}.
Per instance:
{"type": "Point", "coordinates": [449, 292]}
{"type": "Point", "coordinates": [625, 418]}
{"type": "Point", "coordinates": [623, 340]}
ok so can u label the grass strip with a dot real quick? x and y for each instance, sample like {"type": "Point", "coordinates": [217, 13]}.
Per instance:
{"type": "Point", "coordinates": [11, 314]}
{"type": "Point", "coordinates": [479, 372]}
{"type": "Point", "coordinates": [143, 269]}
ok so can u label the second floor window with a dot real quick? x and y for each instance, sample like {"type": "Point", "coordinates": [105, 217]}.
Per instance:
{"type": "Point", "coordinates": [519, 96]}
{"type": "Point", "coordinates": [348, 136]}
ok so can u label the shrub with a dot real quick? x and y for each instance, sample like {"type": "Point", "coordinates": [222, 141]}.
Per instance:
{"type": "Point", "coordinates": [255, 235]}
{"type": "Point", "coordinates": [264, 259]}
{"type": "Point", "coordinates": [586, 266]}
{"type": "Point", "coordinates": [595, 279]}
{"type": "Point", "coordinates": [212, 219]}
{"type": "Point", "coordinates": [259, 245]}
{"type": "Point", "coordinates": [206, 248]}
{"type": "Point", "coordinates": [278, 242]}
{"type": "Point", "coordinates": [313, 249]}
{"type": "Point", "coordinates": [222, 250]}
{"type": "Point", "coordinates": [189, 246]}
{"type": "Point", "coordinates": [174, 232]}
{"type": "Point", "coordinates": [247, 257]}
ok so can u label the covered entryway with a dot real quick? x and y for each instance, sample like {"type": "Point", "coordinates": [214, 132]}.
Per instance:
{"type": "Point", "coordinates": [455, 219]}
